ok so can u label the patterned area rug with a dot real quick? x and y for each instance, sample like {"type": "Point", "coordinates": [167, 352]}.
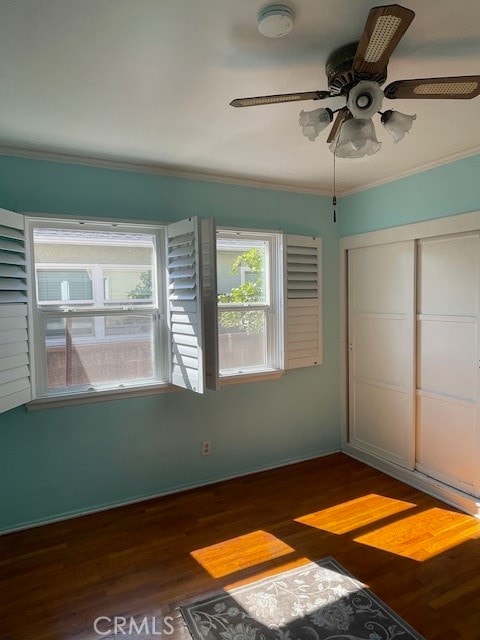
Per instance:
{"type": "Point", "coordinates": [319, 601]}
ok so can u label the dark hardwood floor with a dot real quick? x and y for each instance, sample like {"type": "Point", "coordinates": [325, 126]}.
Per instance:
{"type": "Point", "coordinates": [417, 554]}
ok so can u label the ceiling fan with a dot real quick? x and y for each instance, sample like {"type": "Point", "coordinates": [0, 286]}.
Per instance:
{"type": "Point", "coordinates": [357, 72]}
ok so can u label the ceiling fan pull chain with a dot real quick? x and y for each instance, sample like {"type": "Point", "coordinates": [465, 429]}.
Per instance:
{"type": "Point", "coordinates": [334, 199]}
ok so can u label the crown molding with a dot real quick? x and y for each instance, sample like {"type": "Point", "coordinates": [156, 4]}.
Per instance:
{"type": "Point", "coordinates": [459, 155]}
{"type": "Point", "coordinates": [205, 176]}
{"type": "Point", "coordinates": [161, 170]}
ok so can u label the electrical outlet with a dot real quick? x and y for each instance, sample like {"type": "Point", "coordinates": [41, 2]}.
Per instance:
{"type": "Point", "coordinates": [205, 447]}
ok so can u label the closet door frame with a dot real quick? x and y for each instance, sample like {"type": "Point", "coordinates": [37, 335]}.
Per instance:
{"type": "Point", "coordinates": [430, 228]}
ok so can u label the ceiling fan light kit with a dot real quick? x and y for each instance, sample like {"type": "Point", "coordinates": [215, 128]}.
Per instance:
{"type": "Point", "coordinates": [357, 138]}
{"type": "Point", "coordinates": [312, 122]}
{"type": "Point", "coordinates": [275, 21]}
{"type": "Point", "coordinates": [357, 71]}
{"type": "Point", "coordinates": [397, 124]}
{"type": "Point", "coordinates": [365, 99]}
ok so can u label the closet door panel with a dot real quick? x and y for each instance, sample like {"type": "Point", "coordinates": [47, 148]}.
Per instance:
{"type": "Point", "coordinates": [380, 417]}
{"type": "Point", "coordinates": [381, 278]}
{"type": "Point", "coordinates": [381, 351]}
{"type": "Point", "coordinates": [446, 441]}
{"type": "Point", "coordinates": [447, 358]}
{"type": "Point", "coordinates": [381, 354]}
{"type": "Point", "coordinates": [448, 276]}
{"type": "Point", "coordinates": [447, 446]}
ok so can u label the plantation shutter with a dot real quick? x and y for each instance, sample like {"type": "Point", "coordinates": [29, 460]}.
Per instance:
{"type": "Point", "coordinates": [190, 284]}
{"type": "Point", "coordinates": [303, 301]}
{"type": "Point", "coordinates": [15, 386]}
{"type": "Point", "coordinates": [209, 297]}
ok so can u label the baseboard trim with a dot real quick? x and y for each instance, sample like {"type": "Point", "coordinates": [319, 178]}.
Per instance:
{"type": "Point", "coordinates": [68, 515]}
{"type": "Point", "coordinates": [454, 497]}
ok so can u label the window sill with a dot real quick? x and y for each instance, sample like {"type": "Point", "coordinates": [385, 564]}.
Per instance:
{"type": "Point", "coordinates": [99, 396]}
{"type": "Point", "coordinates": [137, 392]}
{"type": "Point", "coordinates": [242, 378]}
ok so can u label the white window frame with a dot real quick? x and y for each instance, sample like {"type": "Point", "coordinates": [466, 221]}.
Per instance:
{"type": "Point", "coordinates": [39, 312]}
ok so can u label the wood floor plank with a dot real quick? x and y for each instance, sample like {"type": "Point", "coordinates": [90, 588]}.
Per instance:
{"type": "Point", "coordinates": [420, 556]}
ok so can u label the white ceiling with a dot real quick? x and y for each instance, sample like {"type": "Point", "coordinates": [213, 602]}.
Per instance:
{"type": "Point", "coordinates": [150, 81]}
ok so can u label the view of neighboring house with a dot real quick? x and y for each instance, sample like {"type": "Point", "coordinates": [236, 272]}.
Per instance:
{"type": "Point", "coordinates": [95, 273]}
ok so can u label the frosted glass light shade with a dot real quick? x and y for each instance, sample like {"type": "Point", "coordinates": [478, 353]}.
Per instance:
{"type": "Point", "coordinates": [312, 122]}
{"type": "Point", "coordinates": [397, 124]}
{"type": "Point", "coordinates": [365, 99]}
{"type": "Point", "coordinates": [356, 139]}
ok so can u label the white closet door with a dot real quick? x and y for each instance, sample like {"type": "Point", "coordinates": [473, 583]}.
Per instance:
{"type": "Point", "coordinates": [447, 360]}
{"type": "Point", "coordinates": [381, 341]}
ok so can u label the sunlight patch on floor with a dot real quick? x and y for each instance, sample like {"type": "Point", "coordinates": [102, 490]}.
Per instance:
{"type": "Point", "coordinates": [301, 607]}
{"type": "Point", "coordinates": [423, 535]}
{"type": "Point", "coordinates": [353, 514]}
{"type": "Point", "coordinates": [239, 553]}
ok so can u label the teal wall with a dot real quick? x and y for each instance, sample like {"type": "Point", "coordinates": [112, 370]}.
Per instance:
{"type": "Point", "coordinates": [446, 190]}
{"type": "Point", "coordinates": [79, 458]}
{"type": "Point", "coordinates": [75, 459]}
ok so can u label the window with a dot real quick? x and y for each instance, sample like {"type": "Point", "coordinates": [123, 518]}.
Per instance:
{"type": "Point", "coordinates": [249, 302]}
{"type": "Point", "coordinates": [95, 312]}
{"type": "Point", "coordinates": [119, 307]}
{"type": "Point", "coordinates": [90, 309]}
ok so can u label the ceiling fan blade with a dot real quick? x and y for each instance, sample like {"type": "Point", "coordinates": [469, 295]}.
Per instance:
{"type": "Point", "coordinates": [282, 97]}
{"type": "Point", "coordinates": [455, 88]}
{"type": "Point", "coordinates": [383, 31]}
{"type": "Point", "coordinates": [342, 115]}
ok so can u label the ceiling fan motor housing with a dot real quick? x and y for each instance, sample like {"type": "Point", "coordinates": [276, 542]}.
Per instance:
{"type": "Point", "coordinates": [340, 74]}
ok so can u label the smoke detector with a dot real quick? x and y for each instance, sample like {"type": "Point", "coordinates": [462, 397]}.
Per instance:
{"type": "Point", "coordinates": [275, 21]}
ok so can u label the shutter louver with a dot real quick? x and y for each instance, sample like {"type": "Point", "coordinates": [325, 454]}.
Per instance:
{"type": "Point", "coordinates": [303, 295]}
{"type": "Point", "coordinates": [13, 284]}
{"type": "Point", "coordinates": [15, 386]}
{"type": "Point", "coordinates": [184, 305]}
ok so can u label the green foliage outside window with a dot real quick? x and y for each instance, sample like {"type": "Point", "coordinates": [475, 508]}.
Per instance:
{"type": "Point", "coordinates": [143, 290]}
{"type": "Point", "coordinates": [252, 322]}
